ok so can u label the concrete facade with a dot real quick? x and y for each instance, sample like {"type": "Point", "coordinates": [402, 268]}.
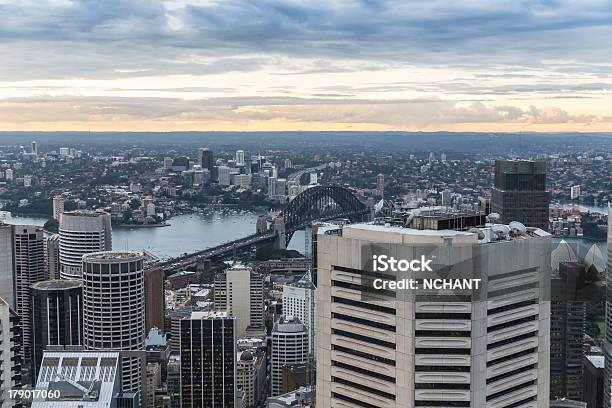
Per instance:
{"type": "Point", "coordinates": [492, 351]}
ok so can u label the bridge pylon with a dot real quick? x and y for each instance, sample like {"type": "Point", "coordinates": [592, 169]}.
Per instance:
{"type": "Point", "coordinates": [278, 226]}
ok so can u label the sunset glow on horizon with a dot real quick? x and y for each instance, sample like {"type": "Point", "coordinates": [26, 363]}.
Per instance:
{"type": "Point", "coordinates": [238, 65]}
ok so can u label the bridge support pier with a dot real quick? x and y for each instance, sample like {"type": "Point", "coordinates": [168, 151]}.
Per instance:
{"type": "Point", "coordinates": [279, 229]}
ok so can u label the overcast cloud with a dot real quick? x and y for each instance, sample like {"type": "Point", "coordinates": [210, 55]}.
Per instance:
{"type": "Point", "coordinates": [393, 64]}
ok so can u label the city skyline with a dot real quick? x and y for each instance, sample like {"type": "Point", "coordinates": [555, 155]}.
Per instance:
{"type": "Point", "coordinates": [286, 65]}
{"type": "Point", "coordinates": [216, 298]}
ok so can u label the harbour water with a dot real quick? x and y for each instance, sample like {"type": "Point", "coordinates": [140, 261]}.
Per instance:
{"type": "Point", "coordinates": [186, 233]}
{"type": "Point", "coordinates": [193, 232]}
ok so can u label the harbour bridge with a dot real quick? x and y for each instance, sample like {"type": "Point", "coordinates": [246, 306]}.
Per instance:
{"type": "Point", "coordinates": [316, 204]}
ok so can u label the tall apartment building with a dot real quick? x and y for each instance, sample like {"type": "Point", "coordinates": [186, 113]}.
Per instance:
{"type": "Point", "coordinates": [608, 330]}
{"type": "Point", "coordinates": [484, 348]}
{"type": "Point", "coordinates": [299, 301]}
{"type": "Point", "coordinates": [519, 192]}
{"type": "Point", "coordinates": [81, 233]}
{"type": "Point", "coordinates": [57, 310]}
{"type": "Point", "coordinates": [52, 262]}
{"type": "Point", "coordinates": [239, 157]}
{"type": "Point", "coordinates": [29, 269]}
{"type": "Point", "coordinates": [114, 309]}
{"type": "Point", "coordinates": [10, 355]}
{"type": "Point", "coordinates": [567, 330]}
{"type": "Point", "coordinates": [289, 346]}
{"type": "Point", "coordinates": [58, 207]}
{"type": "Point", "coordinates": [380, 185]}
{"type": "Point", "coordinates": [239, 292]}
{"type": "Point", "coordinates": [208, 360]}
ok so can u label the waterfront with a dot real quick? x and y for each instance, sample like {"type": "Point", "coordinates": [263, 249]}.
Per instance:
{"type": "Point", "coordinates": [193, 232]}
{"type": "Point", "coordinates": [186, 233]}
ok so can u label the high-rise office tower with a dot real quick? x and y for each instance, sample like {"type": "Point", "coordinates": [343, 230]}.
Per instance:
{"type": "Point", "coordinates": [271, 186]}
{"type": "Point", "coordinates": [251, 376]}
{"type": "Point", "coordinates": [239, 292]}
{"type": "Point", "coordinates": [239, 157]}
{"type": "Point", "coordinates": [208, 360]}
{"type": "Point", "coordinates": [52, 261]}
{"type": "Point", "coordinates": [322, 228]}
{"type": "Point", "coordinates": [483, 348]}
{"type": "Point", "coordinates": [7, 265]}
{"type": "Point", "coordinates": [224, 176]}
{"type": "Point", "coordinates": [58, 206]}
{"type": "Point", "coordinates": [289, 346]}
{"type": "Point", "coordinates": [57, 310]}
{"type": "Point", "coordinates": [593, 382]}
{"type": "Point", "coordinates": [10, 355]}
{"type": "Point", "coordinates": [173, 380]}
{"type": "Point", "coordinates": [82, 232]}
{"type": "Point", "coordinates": [567, 330]}
{"type": "Point", "coordinates": [281, 187]}
{"type": "Point", "coordinates": [519, 192]}
{"type": "Point", "coordinates": [608, 330]}
{"type": "Point", "coordinates": [114, 308]}
{"type": "Point", "coordinates": [206, 159]}
{"type": "Point", "coordinates": [154, 298]}
{"type": "Point", "coordinates": [299, 301]}
{"type": "Point", "coordinates": [29, 269]}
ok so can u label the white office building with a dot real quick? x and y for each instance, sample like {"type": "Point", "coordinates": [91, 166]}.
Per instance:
{"type": "Point", "coordinates": [80, 233]}
{"type": "Point", "coordinates": [289, 346]}
{"type": "Point", "coordinates": [489, 348]}
{"type": "Point", "coordinates": [299, 301]}
{"type": "Point", "coordinates": [239, 292]}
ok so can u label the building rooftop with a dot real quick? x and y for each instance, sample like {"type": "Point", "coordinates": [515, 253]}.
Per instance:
{"type": "Point", "coordinates": [491, 232]}
{"type": "Point", "coordinates": [208, 314]}
{"type": "Point", "coordinates": [288, 324]}
{"type": "Point", "coordinates": [112, 256]}
{"type": "Point", "coordinates": [297, 398]}
{"type": "Point", "coordinates": [57, 284]}
{"type": "Point", "coordinates": [84, 379]}
{"type": "Point", "coordinates": [597, 361]}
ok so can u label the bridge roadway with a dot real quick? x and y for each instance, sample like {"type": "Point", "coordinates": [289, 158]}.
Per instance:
{"type": "Point", "coordinates": [216, 251]}
{"type": "Point", "coordinates": [311, 205]}
{"type": "Point", "coordinates": [298, 174]}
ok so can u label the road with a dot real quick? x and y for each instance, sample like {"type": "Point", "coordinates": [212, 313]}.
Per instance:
{"type": "Point", "coordinates": [298, 175]}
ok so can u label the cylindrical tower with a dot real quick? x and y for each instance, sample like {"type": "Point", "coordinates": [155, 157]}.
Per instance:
{"type": "Point", "coordinates": [57, 310]}
{"type": "Point", "coordinates": [114, 307]}
{"type": "Point", "coordinates": [80, 233]}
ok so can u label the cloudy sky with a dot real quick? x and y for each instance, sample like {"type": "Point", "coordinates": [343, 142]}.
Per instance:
{"type": "Point", "coordinates": [148, 65]}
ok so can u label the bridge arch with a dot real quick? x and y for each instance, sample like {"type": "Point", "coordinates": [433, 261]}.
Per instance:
{"type": "Point", "coordinates": [322, 203]}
